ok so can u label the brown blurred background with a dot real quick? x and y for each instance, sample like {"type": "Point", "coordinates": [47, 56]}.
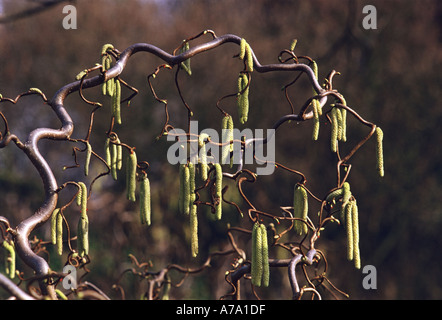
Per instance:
{"type": "Point", "coordinates": [390, 75]}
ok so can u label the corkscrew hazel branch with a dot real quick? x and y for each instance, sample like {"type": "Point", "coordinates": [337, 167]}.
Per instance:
{"type": "Point", "coordinates": [67, 126]}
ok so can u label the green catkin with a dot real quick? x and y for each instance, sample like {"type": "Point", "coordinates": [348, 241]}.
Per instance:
{"type": "Point", "coordinates": [54, 226]}
{"type": "Point", "coordinates": [131, 176]}
{"type": "Point", "coordinates": [339, 119]}
{"type": "Point", "coordinates": [243, 97]}
{"type": "Point", "coordinates": [203, 156]}
{"type": "Point", "coordinates": [316, 121]}
{"type": "Point", "coordinates": [344, 125]}
{"type": "Point", "coordinates": [355, 218]}
{"type": "Point", "coordinates": [116, 102]}
{"type": "Point", "coordinates": [192, 183]}
{"type": "Point", "coordinates": [227, 136]}
{"type": "Point", "coordinates": [317, 111]}
{"type": "Point", "coordinates": [380, 151]}
{"type": "Point", "coordinates": [300, 209]}
{"type": "Point", "coordinates": [104, 85]}
{"type": "Point", "coordinates": [334, 130]}
{"type": "Point", "coordinates": [61, 294]}
{"type": "Point", "coordinates": [88, 158]}
{"type": "Point", "coordinates": [186, 63]}
{"type": "Point", "coordinates": [119, 155]}
{"type": "Point", "coordinates": [230, 126]}
{"type": "Point", "coordinates": [107, 152]}
{"type": "Point", "coordinates": [349, 230]}
{"type": "Point", "coordinates": [194, 230]}
{"type": "Point", "coordinates": [265, 257]}
{"type": "Point", "coordinates": [181, 191]}
{"type": "Point", "coordinates": [293, 44]}
{"type": "Point", "coordinates": [111, 82]}
{"type": "Point", "coordinates": [82, 194]}
{"type": "Point", "coordinates": [315, 69]}
{"type": "Point", "coordinates": [83, 223]}
{"type": "Point", "coordinates": [114, 156]}
{"type": "Point", "coordinates": [106, 47]}
{"type": "Point", "coordinates": [334, 194]}
{"type": "Point", "coordinates": [242, 49]}
{"type": "Point", "coordinates": [81, 74]}
{"type": "Point", "coordinates": [145, 201]}
{"type": "Point", "coordinates": [186, 193]}
{"type": "Point", "coordinates": [249, 58]}
{"type": "Point", "coordinates": [218, 186]}
{"type": "Point", "coordinates": [10, 259]}
{"type": "Point", "coordinates": [346, 195]}
{"type": "Point", "coordinates": [83, 236]}
{"type": "Point", "coordinates": [256, 267]}
{"type": "Point", "coordinates": [59, 233]}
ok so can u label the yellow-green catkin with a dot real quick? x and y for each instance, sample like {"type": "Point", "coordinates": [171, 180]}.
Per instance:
{"type": "Point", "coordinates": [346, 195]}
{"type": "Point", "coordinates": [131, 176]}
{"type": "Point", "coordinates": [380, 151]}
{"type": "Point", "coordinates": [242, 49]}
{"type": "Point", "coordinates": [317, 110]}
{"type": "Point", "coordinates": [355, 218]}
{"type": "Point", "coordinates": [119, 154]}
{"type": "Point", "coordinates": [249, 58]}
{"type": "Point", "coordinates": [265, 257]}
{"type": "Point", "coordinates": [344, 125]}
{"type": "Point", "coordinates": [256, 267]}
{"type": "Point", "coordinates": [192, 183]}
{"type": "Point", "coordinates": [54, 226]}
{"type": "Point", "coordinates": [300, 209]}
{"type": "Point", "coordinates": [186, 192]}
{"type": "Point", "coordinates": [82, 197]}
{"type": "Point", "coordinates": [227, 136]}
{"type": "Point", "coordinates": [181, 190]}
{"type": "Point", "coordinates": [114, 156]}
{"type": "Point", "coordinates": [165, 291]}
{"type": "Point", "coordinates": [218, 186]}
{"type": "Point", "coordinates": [293, 44]}
{"type": "Point", "coordinates": [61, 294]}
{"type": "Point", "coordinates": [334, 130]}
{"type": "Point", "coordinates": [145, 201]}
{"type": "Point", "coordinates": [83, 236]}
{"type": "Point", "coordinates": [107, 152]}
{"type": "Point", "coordinates": [88, 158]}
{"type": "Point", "coordinates": [243, 97]}
{"type": "Point", "coordinates": [116, 102]}
{"type": "Point", "coordinates": [203, 156]}
{"type": "Point", "coordinates": [316, 120]}
{"type": "Point", "coordinates": [59, 233]}
{"type": "Point", "coordinates": [83, 223]}
{"type": "Point", "coordinates": [339, 119]}
{"type": "Point", "coordinates": [194, 229]}
{"type": "Point", "coordinates": [10, 258]}
{"type": "Point", "coordinates": [186, 63]}
{"type": "Point", "coordinates": [349, 230]}
{"type": "Point", "coordinates": [106, 59]}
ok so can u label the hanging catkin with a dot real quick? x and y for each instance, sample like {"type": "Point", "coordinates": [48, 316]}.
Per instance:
{"type": "Point", "coordinates": [145, 204]}
{"type": "Point", "coordinates": [256, 267]}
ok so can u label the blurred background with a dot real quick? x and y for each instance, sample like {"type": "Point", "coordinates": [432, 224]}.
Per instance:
{"type": "Point", "coordinates": [389, 75]}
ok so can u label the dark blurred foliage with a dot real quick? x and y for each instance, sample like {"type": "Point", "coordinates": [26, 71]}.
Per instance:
{"type": "Point", "coordinates": [390, 76]}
